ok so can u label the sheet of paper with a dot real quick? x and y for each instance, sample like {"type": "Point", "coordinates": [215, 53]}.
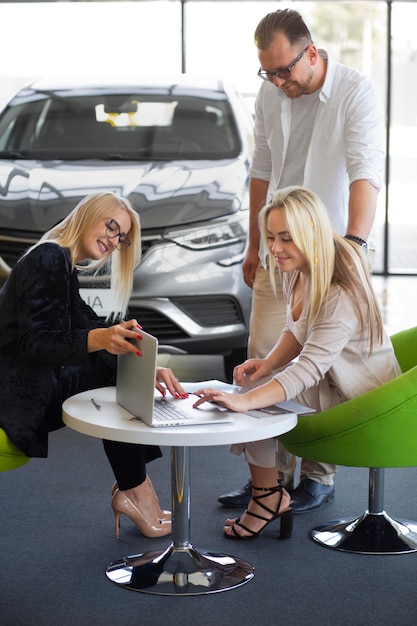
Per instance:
{"type": "Point", "coordinates": [288, 406]}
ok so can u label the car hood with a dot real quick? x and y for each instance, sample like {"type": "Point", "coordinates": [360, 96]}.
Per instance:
{"type": "Point", "coordinates": [35, 195]}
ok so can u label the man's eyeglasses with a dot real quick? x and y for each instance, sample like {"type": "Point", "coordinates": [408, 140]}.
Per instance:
{"type": "Point", "coordinates": [113, 230]}
{"type": "Point", "coordinates": [281, 72]}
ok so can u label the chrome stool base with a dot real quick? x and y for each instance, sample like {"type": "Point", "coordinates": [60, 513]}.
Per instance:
{"type": "Point", "coordinates": [180, 572]}
{"type": "Point", "coordinates": [368, 534]}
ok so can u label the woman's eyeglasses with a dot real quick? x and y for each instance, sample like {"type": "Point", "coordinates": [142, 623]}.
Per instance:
{"type": "Point", "coordinates": [113, 230]}
{"type": "Point", "coordinates": [281, 72]}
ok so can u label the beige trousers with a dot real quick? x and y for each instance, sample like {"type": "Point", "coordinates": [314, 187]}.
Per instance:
{"type": "Point", "coordinates": [267, 321]}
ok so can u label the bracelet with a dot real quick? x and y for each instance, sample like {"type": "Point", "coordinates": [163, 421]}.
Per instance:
{"type": "Point", "coordinates": [361, 242]}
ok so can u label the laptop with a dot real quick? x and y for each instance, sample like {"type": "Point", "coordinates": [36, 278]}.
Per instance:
{"type": "Point", "coordinates": [135, 391]}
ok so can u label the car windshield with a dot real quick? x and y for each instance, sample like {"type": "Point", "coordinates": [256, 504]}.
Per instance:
{"type": "Point", "coordinates": [117, 126]}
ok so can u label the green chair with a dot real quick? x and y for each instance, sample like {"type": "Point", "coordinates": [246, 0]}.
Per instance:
{"type": "Point", "coordinates": [376, 430]}
{"type": "Point", "coordinates": [10, 456]}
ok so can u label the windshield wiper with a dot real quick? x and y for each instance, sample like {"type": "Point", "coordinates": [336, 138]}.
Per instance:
{"type": "Point", "coordinates": [13, 154]}
{"type": "Point", "coordinates": [116, 156]}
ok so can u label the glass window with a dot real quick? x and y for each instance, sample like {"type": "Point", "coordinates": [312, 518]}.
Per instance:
{"type": "Point", "coordinates": [353, 32]}
{"type": "Point", "coordinates": [96, 38]}
{"type": "Point", "coordinates": [402, 196]}
{"type": "Point", "coordinates": [147, 38]}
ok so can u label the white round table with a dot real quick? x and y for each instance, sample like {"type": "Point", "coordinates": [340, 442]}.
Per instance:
{"type": "Point", "coordinates": [180, 569]}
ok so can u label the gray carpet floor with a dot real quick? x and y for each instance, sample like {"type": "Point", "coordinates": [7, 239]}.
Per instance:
{"type": "Point", "coordinates": [57, 537]}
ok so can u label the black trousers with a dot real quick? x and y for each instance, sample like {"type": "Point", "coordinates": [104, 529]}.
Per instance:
{"type": "Point", "coordinates": [127, 460]}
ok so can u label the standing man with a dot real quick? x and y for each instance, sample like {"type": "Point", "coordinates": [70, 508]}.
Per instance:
{"type": "Point", "coordinates": [318, 124]}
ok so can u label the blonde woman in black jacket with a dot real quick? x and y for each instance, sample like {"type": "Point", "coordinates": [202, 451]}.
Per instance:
{"type": "Point", "coordinates": [53, 345]}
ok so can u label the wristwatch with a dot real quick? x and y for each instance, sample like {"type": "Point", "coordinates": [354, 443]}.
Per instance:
{"type": "Point", "coordinates": [358, 240]}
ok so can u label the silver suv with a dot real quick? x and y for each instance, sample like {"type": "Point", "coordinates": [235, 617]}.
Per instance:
{"type": "Point", "coordinates": [180, 152]}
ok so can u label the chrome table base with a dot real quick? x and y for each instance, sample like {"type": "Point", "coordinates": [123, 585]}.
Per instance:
{"type": "Point", "coordinates": [180, 572]}
{"type": "Point", "coordinates": [180, 569]}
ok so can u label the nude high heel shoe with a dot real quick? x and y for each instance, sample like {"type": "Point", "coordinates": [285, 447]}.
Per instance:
{"type": "Point", "coordinates": [162, 514]}
{"type": "Point", "coordinates": [123, 505]}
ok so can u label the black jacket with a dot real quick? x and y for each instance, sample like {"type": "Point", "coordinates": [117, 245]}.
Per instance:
{"type": "Point", "coordinates": [44, 325]}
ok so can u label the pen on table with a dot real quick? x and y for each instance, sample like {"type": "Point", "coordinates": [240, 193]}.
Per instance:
{"type": "Point", "coordinates": [96, 404]}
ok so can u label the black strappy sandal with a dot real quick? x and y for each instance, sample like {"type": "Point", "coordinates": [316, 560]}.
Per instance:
{"type": "Point", "coordinates": [286, 517]}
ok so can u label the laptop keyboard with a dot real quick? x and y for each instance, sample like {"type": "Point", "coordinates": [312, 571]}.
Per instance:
{"type": "Point", "coordinates": [167, 412]}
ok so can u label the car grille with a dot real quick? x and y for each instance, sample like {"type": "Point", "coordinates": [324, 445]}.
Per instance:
{"type": "Point", "coordinates": [210, 310]}
{"type": "Point", "coordinates": [157, 324]}
{"type": "Point", "coordinates": [205, 311]}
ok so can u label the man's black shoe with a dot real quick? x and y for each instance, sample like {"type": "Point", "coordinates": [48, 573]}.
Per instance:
{"type": "Point", "coordinates": [239, 498]}
{"type": "Point", "coordinates": [310, 495]}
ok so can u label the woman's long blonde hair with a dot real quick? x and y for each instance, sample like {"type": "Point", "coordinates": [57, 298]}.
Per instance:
{"type": "Point", "coordinates": [70, 232]}
{"type": "Point", "coordinates": [330, 258]}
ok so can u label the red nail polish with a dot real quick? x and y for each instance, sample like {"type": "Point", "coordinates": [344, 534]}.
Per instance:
{"type": "Point", "coordinates": [138, 353]}
{"type": "Point", "coordinates": [138, 336]}
{"type": "Point", "coordinates": [185, 395]}
{"type": "Point", "coordinates": [177, 395]}
{"type": "Point", "coordinates": [139, 326]}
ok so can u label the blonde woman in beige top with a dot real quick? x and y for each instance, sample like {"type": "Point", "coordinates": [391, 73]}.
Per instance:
{"type": "Point", "coordinates": [333, 348]}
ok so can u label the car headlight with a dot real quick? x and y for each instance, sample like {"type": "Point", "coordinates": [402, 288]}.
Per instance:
{"type": "Point", "coordinates": [211, 234]}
